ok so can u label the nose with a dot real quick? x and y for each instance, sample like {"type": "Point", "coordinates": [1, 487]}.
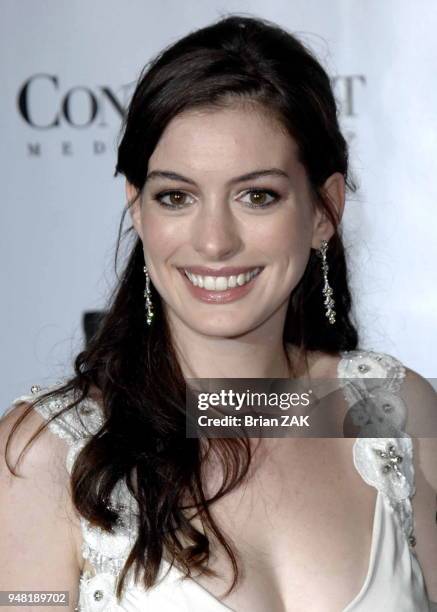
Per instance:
{"type": "Point", "coordinates": [216, 233]}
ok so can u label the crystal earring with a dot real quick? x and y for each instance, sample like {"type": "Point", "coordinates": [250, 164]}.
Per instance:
{"type": "Point", "coordinates": [327, 290]}
{"type": "Point", "coordinates": [148, 298]}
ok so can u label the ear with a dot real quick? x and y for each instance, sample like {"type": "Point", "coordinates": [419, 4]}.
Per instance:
{"type": "Point", "coordinates": [334, 191]}
{"type": "Point", "coordinates": [133, 197]}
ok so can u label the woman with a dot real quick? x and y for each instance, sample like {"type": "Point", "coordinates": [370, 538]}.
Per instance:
{"type": "Point", "coordinates": [235, 177]}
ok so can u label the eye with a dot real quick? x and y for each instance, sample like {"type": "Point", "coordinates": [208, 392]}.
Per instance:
{"type": "Point", "coordinates": [175, 199]}
{"type": "Point", "coordinates": [258, 198]}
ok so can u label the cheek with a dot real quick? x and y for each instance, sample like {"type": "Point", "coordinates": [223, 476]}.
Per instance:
{"type": "Point", "coordinates": [161, 236]}
{"type": "Point", "coordinates": [286, 235]}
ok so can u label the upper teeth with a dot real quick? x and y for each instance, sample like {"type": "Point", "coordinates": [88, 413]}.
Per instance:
{"type": "Point", "coordinates": [221, 283]}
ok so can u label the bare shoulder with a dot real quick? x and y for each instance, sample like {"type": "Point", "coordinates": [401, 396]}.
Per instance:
{"type": "Point", "coordinates": [39, 526]}
{"type": "Point", "coordinates": [20, 423]}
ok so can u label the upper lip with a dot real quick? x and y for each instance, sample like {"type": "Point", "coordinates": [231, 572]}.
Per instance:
{"type": "Point", "coordinates": [202, 271]}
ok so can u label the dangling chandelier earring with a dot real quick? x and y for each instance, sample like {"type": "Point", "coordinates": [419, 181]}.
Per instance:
{"type": "Point", "coordinates": [327, 290]}
{"type": "Point", "coordinates": [148, 298]}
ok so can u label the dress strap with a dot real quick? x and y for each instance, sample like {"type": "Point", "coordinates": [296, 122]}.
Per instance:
{"type": "Point", "coordinates": [75, 426]}
{"type": "Point", "coordinates": [371, 383]}
{"type": "Point", "coordinates": [383, 452]}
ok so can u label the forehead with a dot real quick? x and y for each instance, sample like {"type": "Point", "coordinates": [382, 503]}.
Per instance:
{"type": "Point", "coordinates": [227, 140]}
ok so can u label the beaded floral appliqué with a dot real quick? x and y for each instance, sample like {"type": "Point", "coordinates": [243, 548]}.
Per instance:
{"type": "Point", "coordinates": [97, 593]}
{"type": "Point", "coordinates": [387, 464]}
{"type": "Point", "coordinates": [383, 452]}
{"type": "Point", "coordinates": [371, 384]}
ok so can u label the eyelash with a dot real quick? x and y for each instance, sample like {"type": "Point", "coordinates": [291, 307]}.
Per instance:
{"type": "Point", "coordinates": [158, 198]}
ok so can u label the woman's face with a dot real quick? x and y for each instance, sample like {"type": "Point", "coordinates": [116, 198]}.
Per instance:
{"type": "Point", "coordinates": [225, 192]}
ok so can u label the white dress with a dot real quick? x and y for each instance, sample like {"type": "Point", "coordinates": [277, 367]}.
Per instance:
{"type": "Point", "coordinates": [394, 581]}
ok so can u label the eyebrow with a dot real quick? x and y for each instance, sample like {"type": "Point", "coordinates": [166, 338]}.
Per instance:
{"type": "Point", "coordinates": [174, 176]}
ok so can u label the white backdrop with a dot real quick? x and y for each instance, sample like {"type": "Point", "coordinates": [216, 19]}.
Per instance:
{"type": "Point", "coordinates": [65, 67]}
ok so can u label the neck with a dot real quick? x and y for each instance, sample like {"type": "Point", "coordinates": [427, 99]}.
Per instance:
{"type": "Point", "coordinates": [257, 354]}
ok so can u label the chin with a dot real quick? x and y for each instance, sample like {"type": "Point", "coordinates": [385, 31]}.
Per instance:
{"type": "Point", "coordinates": [222, 326]}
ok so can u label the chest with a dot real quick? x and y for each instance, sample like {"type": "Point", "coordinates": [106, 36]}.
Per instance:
{"type": "Point", "coordinates": [302, 526]}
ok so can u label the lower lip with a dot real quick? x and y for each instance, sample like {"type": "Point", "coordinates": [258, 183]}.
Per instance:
{"type": "Point", "coordinates": [220, 297]}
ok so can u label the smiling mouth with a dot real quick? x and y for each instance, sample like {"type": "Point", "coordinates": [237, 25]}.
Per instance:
{"type": "Point", "coordinates": [221, 283]}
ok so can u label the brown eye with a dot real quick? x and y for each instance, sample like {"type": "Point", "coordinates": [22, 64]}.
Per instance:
{"type": "Point", "coordinates": [260, 198]}
{"type": "Point", "coordinates": [177, 198]}
{"type": "Point", "coordinates": [174, 199]}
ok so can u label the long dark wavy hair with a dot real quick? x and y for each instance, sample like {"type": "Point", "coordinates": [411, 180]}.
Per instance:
{"type": "Point", "coordinates": [135, 367]}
